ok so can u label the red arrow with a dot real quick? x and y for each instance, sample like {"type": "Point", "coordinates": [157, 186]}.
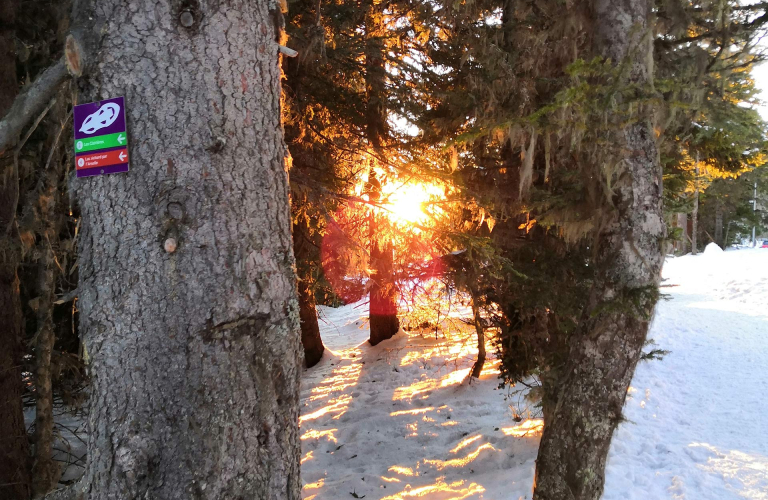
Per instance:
{"type": "Point", "coordinates": [103, 159]}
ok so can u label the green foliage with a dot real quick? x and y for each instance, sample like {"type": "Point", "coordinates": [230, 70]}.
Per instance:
{"type": "Point", "coordinates": [528, 113]}
{"type": "Point", "coordinates": [506, 105]}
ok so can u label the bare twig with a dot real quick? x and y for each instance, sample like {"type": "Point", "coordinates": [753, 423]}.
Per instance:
{"type": "Point", "coordinates": [29, 103]}
{"type": "Point", "coordinates": [287, 51]}
{"type": "Point", "coordinates": [67, 297]}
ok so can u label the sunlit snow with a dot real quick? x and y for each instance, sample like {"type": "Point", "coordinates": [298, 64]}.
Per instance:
{"type": "Point", "coordinates": [400, 420]}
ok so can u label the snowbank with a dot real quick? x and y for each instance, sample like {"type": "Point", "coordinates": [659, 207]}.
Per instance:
{"type": "Point", "coordinates": [713, 249]}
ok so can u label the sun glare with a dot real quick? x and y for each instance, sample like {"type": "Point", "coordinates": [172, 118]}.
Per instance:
{"type": "Point", "coordinates": [407, 204]}
{"type": "Point", "coordinates": [453, 491]}
{"type": "Point", "coordinates": [532, 427]}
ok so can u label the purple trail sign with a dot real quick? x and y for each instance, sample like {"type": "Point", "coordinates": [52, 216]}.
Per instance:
{"type": "Point", "coordinates": [101, 139]}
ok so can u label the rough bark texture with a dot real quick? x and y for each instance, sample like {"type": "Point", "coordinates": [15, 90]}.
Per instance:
{"type": "Point", "coordinates": [384, 323]}
{"type": "Point", "coordinates": [310, 329]}
{"type": "Point", "coordinates": [607, 345]}
{"type": "Point", "coordinates": [14, 448]}
{"type": "Point", "coordinates": [194, 354]}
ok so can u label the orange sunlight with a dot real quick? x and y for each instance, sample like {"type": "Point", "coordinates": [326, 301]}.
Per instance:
{"type": "Point", "coordinates": [439, 491]}
{"type": "Point", "coordinates": [491, 368]}
{"type": "Point", "coordinates": [532, 427]}
{"type": "Point", "coordinates": [341, 378]}
{"type": "Point", "coordinates": [466, 442]}
{"type": "Point", "coordinates": [314, 434]}
{"type": "Point", "coordinates": [317, 484]}
{"type": "Point", "coordinates": [405, 204]}
{"type": "Point", "coordinates": [460, 462]}
{"type": "Point", "coordinates": [415, 411]}
{"type": "Point", "coordinates": [338, 406]}
{"type": "Point", "coordinates": [403, 471]}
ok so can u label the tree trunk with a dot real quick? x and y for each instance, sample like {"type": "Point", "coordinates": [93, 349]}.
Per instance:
{"type": "Point", "coordinates": [45, 471]}
{"type": "Point", "coordinates": [310, 329]}
{"type": "Point", "coordinates": [719, 223]}
{"type": "Point", "coordinates": [695, 212]}
{"type": "Point", "coordinates": [383, 320]}
{"type": "Point", "coordinates": [682, 223]}
{"type": "Point", "coordinates": [477, 368]}
{"type": "Point", "coordinates": [607, 344]}
{"type": "Point", "coordinates": [187, 290]}
{"type": "Point", "coordinates": [14, 447]}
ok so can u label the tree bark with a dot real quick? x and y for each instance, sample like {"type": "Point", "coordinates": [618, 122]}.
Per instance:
{"type": "Point", "coordinates": [14, 447]}
{"type": "Point", "coordinates": [695, 212]}
{"type": "Point", "coordinates": [477, 368]}
{"type": "Point", "coordinates": [194, 351]}
{"type": "Point", "coordinates": [383, 320]}
{"type": "Point", "coordinates": [719, 223]}
{"type": "Point", "coordinates": [682, 223]}
{"type": "Point", "coordinates": [607, 344]}
{"type": "Point", "coordinates": [310, 329]}
{"type": "Point", "coordinates": [45, 470]}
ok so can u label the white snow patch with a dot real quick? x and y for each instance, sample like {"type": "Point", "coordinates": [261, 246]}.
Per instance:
{"type": "Point", "coordinates": [696, 425]}
{"type": "Point", "coordinates": [713, 248]}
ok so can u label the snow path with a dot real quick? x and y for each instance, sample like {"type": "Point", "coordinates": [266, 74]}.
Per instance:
{"type": "Point", "coordinates": [398, 421]}
{"type": "Point", "coordinates": [698, 420]}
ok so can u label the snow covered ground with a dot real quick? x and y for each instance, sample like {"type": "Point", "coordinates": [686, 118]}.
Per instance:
{"type": "Point", "coordinates": [400, 421]}
{"type": "Point", "coordinates": [699, 418]}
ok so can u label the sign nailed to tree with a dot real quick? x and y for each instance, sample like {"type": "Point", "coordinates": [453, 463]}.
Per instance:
{"type": "Point", "coordinates": [101, 140]}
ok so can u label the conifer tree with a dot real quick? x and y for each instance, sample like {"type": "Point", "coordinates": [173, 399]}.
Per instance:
{"type": "Point", "coordinates": [338, 103]}
{"type": "Point", "coordinates": [187, 284]}
{"type": "Point", "coordinates": [538, 149]}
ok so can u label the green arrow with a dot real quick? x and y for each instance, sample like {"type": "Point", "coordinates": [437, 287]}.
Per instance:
{"type": "Point", "coordinates": [100, 142]}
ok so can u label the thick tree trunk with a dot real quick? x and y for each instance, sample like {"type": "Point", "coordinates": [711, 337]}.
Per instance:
{"type": "Point", "coordinates": [14, 447]}
{"type": "Point", "coordinates": [383, 320]}
{"type": "Point", "coordinates": [384, 323]}
{"type": "Point", "coordinates": [310, 329]}
{"type": "Point", "coordinates": [607, 344]}
{"type": "Point", "coordinates": [187, 290]}
{"type": "Point", "coordinates": [695, 212]}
